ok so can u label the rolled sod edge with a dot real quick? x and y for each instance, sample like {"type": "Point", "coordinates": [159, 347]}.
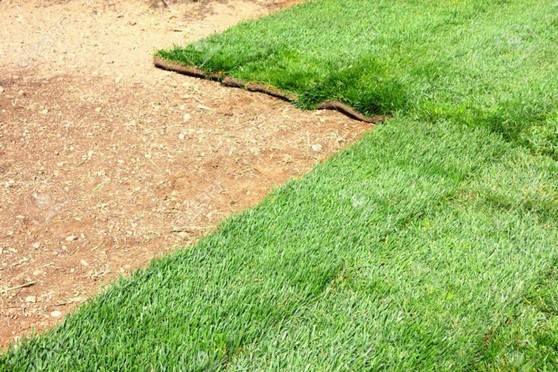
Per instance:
{"type": "Point", "coordinates": [261, 88]}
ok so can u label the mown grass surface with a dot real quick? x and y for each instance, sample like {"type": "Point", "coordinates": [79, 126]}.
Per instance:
{"type": "Point", "coordinates": [431, 244]}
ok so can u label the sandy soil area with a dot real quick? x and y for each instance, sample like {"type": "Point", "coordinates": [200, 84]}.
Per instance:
{"type": "Point", "coordinates": [107, 162]}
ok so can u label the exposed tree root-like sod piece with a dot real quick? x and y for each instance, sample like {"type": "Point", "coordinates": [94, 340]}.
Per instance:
{"type": "Point", "coordinates": [262, 88]}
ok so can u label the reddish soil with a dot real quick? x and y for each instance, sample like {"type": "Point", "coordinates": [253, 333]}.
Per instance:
{"type": "Point", "coordinates": [107, 162]}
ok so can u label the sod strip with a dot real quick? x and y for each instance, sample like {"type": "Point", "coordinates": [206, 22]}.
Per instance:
{"type": "Point", "coordinates": [202, 306]}
{"type": "Point", "coordinates": [484, 63]}
{"type": "Point", "coordinates": [430, 296]}
{"type": "Point", "coordinates": [262, 88]}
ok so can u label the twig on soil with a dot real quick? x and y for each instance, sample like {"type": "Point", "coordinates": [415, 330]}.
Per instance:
{"type": "Point", "coordinates": [29, 284]}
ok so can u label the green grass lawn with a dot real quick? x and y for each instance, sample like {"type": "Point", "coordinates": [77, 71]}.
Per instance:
{"type": "Point", "coordinates": [430, 244]}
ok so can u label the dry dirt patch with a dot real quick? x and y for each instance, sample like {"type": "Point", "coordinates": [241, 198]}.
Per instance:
{"type": "Point", "coordinates": [107, 162]}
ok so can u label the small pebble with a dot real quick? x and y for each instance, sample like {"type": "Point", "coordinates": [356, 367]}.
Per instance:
{"type": "Point", "coordinates": [317, 148]}
{"type": "Point", "coordinates": [71, 238]}
{"type": "Point", "coordinates": [56, 314]}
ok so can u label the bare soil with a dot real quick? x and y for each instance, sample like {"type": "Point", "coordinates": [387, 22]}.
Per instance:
{"type": "Point", "coordinates": [107, 162]}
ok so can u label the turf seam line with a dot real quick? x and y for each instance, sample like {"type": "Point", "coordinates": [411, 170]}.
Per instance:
{"type": "Point", "coordinates": [228, 81]}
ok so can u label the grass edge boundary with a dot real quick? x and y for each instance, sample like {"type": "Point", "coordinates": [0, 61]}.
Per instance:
{"type": "Point", "coordinates": [193, 71]}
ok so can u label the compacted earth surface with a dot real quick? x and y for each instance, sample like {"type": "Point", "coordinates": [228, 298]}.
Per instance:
{"type": "Point", "coordinates": [107, 162]}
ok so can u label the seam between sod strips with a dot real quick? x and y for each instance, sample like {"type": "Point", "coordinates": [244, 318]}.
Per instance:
{"type": "Point", "coordinates": [191, 70]}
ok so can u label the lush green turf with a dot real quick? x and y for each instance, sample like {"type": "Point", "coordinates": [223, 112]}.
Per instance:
{"type": "Point", "coordinates": [431, 244]}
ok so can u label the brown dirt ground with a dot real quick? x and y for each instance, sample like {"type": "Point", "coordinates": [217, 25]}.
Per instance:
{"type": "Point", "coordinates": [107, 162]}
